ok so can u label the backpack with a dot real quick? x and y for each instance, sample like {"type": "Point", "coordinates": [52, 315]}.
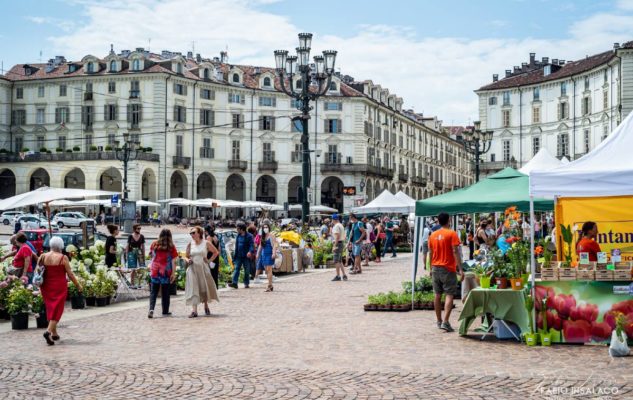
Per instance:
{"type": "Point", "coordinates": [372, 235]}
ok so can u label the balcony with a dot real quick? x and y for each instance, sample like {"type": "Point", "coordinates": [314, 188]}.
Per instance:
{"type": "Point", "coordinates": [386, 172]}
{"type": "Point", "coordinates": [88, 96]}
{"type": "Point", "coordinates": [418, 180]}
{"type": "Point", "coordinates": [135, 94]}
{"type": "Point", "coordinates": [269, 164]}
{"type": "Point", "coordinates": [489, 167]}
{"type": "Point", "coordinates": [75, 156]}
{"type": "Point", "coordinates": [207, 152]}
{"type": "Point", "coordinates": [402, 177]}
{"type": "Point", "coordinates": [240, 165]}
{"type": "Point", "coordinates": [181, 162]}
{"type": "Point", "coordinates": [439, 185]}
{"type": "Point", "coordinates": [296, 157]}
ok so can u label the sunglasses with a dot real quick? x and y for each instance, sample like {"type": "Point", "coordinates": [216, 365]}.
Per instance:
{"type": "Point", "coordinates": [193, 233]}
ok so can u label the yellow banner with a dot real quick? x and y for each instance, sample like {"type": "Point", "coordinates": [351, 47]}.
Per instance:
{"type": "Point", "coordinates": [614, 216]}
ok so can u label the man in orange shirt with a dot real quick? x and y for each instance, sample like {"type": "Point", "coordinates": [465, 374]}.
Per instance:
{"type": "Point", "coordinates": [588, 244]}
{"type": "Point", "coordinates": [446, 260]}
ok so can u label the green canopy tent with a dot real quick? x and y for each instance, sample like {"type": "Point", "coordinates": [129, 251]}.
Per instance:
{"type": "Point", "coordinates": [504, 189]}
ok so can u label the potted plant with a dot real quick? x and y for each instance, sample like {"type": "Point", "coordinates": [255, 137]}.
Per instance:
{"type": "Point", "coordinates": [59, 150]}
{"type": "Point", "coordinates": [147, 149]}
{"type": "Point", "coordinates": [77, 300]}
{"type": "Point", "coordinates": [43, 150]}
{"type": "Point", "coordinates": [568, 237]}
{"type": "Point", "coordinates": [372, 303]}
{"type": "Point", "coordinates": [545, 335]}
{"type": "Point", "coordinates": [530, 337]}
{"type": "Point", "coordinates": [40, 310]}
{"type": "Point", "coordinates": [89, 292]}
{"type": "Point", "coordinates": [518, 255]}
{"type": "Point", "coordinates": [482, 275]}
{"type": "Point", "coordinates": [93, 148]}
{"type": "Point", "coordinates": [69, 150]}
{"type": "Point", "coordinates": [76, 149]}
{"type": "Point", "coordinates": [19, 305]}
{"type": "Point", "coordinates": [101, 292]}
{"type": "Point", "coordinates": [108, 148]}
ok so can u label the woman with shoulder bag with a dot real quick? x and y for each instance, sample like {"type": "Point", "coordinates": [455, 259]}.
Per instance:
{"type": "Point", "coordinates": [268, 252]}
{"type": "Point", "coordinates": [214, 258]}
{"type": "Point", "coordinates": [199, 287]}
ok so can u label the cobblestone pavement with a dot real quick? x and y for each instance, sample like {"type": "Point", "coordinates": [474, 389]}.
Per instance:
{"type": "Point", "coordinates": [309, 339]}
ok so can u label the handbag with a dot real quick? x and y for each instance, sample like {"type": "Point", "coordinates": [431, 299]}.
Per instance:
{"type": "Point", "coordinates": [278, 258]}
{"type": "Point", "coordinates": [38, 274]}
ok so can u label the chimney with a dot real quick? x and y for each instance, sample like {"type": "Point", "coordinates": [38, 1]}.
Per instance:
{"type": "Point", "coordinates": [224, 57]}
{"type": "Point", "coordinates": [555, 61]}
{"type": "Point", "coordinates": [545, 60]}
{"type": "Point", "coordinates": [561, 62]}
{"type": "Point", "coordinates": [532, 58]}
{"type": "Point", "coordinates": [524, 66]}
{"type": "Point", "coordinates": [198, 58]}
{"type": "Point", "coordinates": [508, 73]}
{"type": "Point", "coordinates": [516, 68]}
{"type": "Point", "coordinates": [140, 49]}
{"type": "Point", "coordinates": [616, 46]}
{"type": "Point", "coordinates": [190, 54]}
{"type": "Point", "coordinates": [495, 77]}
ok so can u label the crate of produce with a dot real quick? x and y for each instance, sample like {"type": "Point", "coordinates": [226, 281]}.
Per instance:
{"type": "Point", "coordinates": [586, 275]}
{"type": "Point", "coordinates": [622, 275]}
{"type": "Point", "coordinates": [624, 265]}
{"type": "Point", "coordinates": [604, 275]}
{"type": "Point", "coordinates": [549, 274]}
{"type": "Point", "coordinates": [567, 274]}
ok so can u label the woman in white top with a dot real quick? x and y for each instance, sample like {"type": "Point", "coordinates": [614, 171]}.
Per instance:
{"type": "Point", "coordinates": [367, 244]}
{"type": "Point", "coordinates": [199, 286]}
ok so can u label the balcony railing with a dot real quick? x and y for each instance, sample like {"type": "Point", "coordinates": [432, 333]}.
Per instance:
{"type": "Point", "coordinates": [135, 94]}
{"type": "Point", "coordinates": [269, 163]}
{"type": "Point", "coordinates": [402, 177]}
{"type": "Point", "coordinates": [296, 156]}
{"type": "Point", "coordinates": [181, 162]}
{"type": "Point", "coordinates": [207, 152]}
{"type": "Point", "coordinates": [343, 168]}
{"type": "Point", "coordinates": [75, 156]}
{"type": "Point", "coordinates": [418, 180]}
{"type": "Point", "coordinates": [333, 158]}
{"type": "Point", "coordinates": [237, 165]}
{"type": "Point", "coordinates": [491, 166]}
{"type": "Point", "coordinates": [88, 96]}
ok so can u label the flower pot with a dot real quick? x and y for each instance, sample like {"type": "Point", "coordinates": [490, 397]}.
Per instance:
{"type": "Point", "coordinates": [484, 281]}
{"type": "Point", "coordinates": [101, 301]}
{"type": "Point", "coordinates": [554, 335]}
{"type": "Point", "coordinates": [404, 307]}
{"type": "Point", "coordinates": [530, 339]}
{"type": "Point", "coordinates": [502, 283]}
{"type": "Point", "coordinates": [20, 321]}
{"type": "Point", "coordinates": [4, 314]}
{"type": "Point", "coordinates": [108, 300]}
{"type": "Point", "coordinates": [370, 307]}
{"type": "Point", "coordinates": [77, 302]}
{"type": "Point", "coordinates": [91, 301]}
{"type": "Point", "coordinates": [546, 339]}
{"type": "Point", "coordinates": [173, 289]}
{"type": "Point", "coordinates": [41, 320]}
{"type": "Point", "coordinates": [526, 278]}
{"type": "Point", "coordinates": [517, 283]}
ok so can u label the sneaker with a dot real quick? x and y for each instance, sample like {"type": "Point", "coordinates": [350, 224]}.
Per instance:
{"type": "Point", "coordinates": [439, 324]}
{"type": "Point", "coordinates": [394, 256]}
{"type": "Point", "coordinates": [233, 285]}
{"type": "Point", "coordinates": [336, 278]}
{"type": "Point", "coordinates": [167, 314]}
{"type": "Point", "coordinates": [150, 314]}
{"type": "Point", "coordinates": [447, 327]}
{"type": "Point", "coordinates": [246, 286]}
{"type": "Point", "coordinates": [344, 277]}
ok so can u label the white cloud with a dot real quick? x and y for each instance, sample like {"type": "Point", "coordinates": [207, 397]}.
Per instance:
{"type": "Point", "coordinates": [436, 75]}
{"type": "Point", "coordinates": [64, 25]}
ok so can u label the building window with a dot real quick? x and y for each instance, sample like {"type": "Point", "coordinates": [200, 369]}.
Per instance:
{"type": "Point", "coordinates": [135, 114]}
{"type": "Point", "coordinates": [180, 114]}
{"type": "Point", "coordinates": [90, 68]}
{"type": "Point", "coordinates": [333, 106]}
{"type": "Point", "coordinates": [294, 103]}
{"type": "Point", "coordinates": [506, 98]}
{"type": "Point", "coordinates": [298, 84]}
{"type": "Point", "coordinates": [237, 121]}
{"type": "Point", "coordinates": [267, 123]}
{"type": "Point", "coordinates": [135, 89]}
{"type": "Point", "coordinates": [207, 94]}
{"type": "Point", "coordinates": [586, 140]}
{"type": "Point", "coordinates": [536, 115]}
{"type": "Point", "coordinates": [110, 112]}
{"type": "Point", "coordinates": [61, 142]}
{"type": "Point", "coordinates": [236, 78]}
{"type": "Point", "coordinates": [206, 151]}
{"type": "Point", "coordinates": [179, 68]}
{"type": "Point", "coordinates": [563, 110]}
{"type": "Point", "coordinates": [236, 98]}
{"type": "Point", "coordinates": [536, 94]}
{"type": "Point", "coordinates": [332, 154]}
{"type": "Point", "coordinates": [506, 118]}
{"type": "Point", "coordinates": [88, 142]}
{"type": "Point", "coordinates": [112, 87]}
{"type": "Point", "coordinates": [563, 88]}
{"type": "Point", "coordinates": [207, 117]}
{"type": "Point", "coordinates": [39, 116]}
{"type": "Point", "coordinates": [266, 82]}
{"type": "Point", "coordinates": [296, 126]}
{"type": "Point", "coordinates": [62, 90]}
{"type": "Point", "coordinates": [89, 88]}
{"type": "Point", "coordinates": [18, 117]}
{"type": "Point", "coordinates": [492, 101]}
{"type": "Point", "coordinates": [586, 83]}
{"type": "Point", "coordinates": [136, 65]}
{"type": "Point", "coordinates": [18, 142]}
{"type": "Point", "coordinates": [267, 101]}
{"type": "Point", "coordinates": [562, 145]}
{"type": "Point", "coordinates": [333, 125]}
{"type": "Point", "coordinates": [179, 145]}
{"type": "Point", "coordinates": [19, 93]}
{"type": "Point", "coordinates": [113, 66]}
{"type": "Point", "coordinates": [40, 91]}
{"type": "Point", "coordinates": [585, 105]}
{"type": "Point", "coordinates": [536, 145]}
{"type": "Point", "coordinates": [41, 142]}
{"type": "Point", "coordinates": [180, 89]}
{"type": "Point", "coordinates": [87, 117]}
{"type": "Point", "coordinates": [235, 150]}
{"type": "Point", "coordinates": [492, 158]}
{"type": "Point", "coordinates": [605, 99]}
{"type": "Point", "coordinates": [268, 154]}
{"type": "Point", "coordinates": [333, 87]}
{"type": "Point", "coordinates": [111, 139]}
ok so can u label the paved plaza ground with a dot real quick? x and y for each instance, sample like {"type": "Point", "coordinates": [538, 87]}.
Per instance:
{"type": "Point", "coordinates": [309, 339]}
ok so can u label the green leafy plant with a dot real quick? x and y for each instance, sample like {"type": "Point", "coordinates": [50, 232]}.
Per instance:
{"type": "Point", "coordinates": [93, 148]}
{"type": "Point", "coordinates": [76, 149]}
{"type": "Point", "coordinates": [568, 237]}
{"type": "Point", "coordinates": [59, 150]}
{"type": "Point", "coordinates": [69, 151]}
{"type": "Point", "coordinates": [373, 299]}
{"type": "Point", "coordinates": [620, 323]}
{"type": "Point", "coordinates": [108, 148]}
{"type": "Point", "coordinates": [43, 150]}
{"type": "Point", "coordinates": [20, 300]}
{"type": "Point", "coordinates": [38, 302]}
{"type": "Point", "coordinates": [25, 150]}
{"type": "Point", "coordinates": [519, 256]}
{"type": "Point", "coordinates": [148, 149]}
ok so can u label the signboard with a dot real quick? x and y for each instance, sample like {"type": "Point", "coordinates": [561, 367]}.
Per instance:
{"type": "Point", "coordinates": [114, 200]}
{"type": "Point", "coordinates": [349, 190]}
{"type": "Point", "coordinates": [128, 210]}
{"type": "Point", "coordinates": [350, 202]}
{"type": "Point", "coordinates": [88, 228]}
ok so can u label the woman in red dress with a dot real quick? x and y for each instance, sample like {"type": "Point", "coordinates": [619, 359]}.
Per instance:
{"type": "Point", "coordinates": [55, 287]}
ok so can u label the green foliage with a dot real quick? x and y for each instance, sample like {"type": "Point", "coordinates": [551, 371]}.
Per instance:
{"type": "Point", "coordinates": [38, 302]}
{"type": "Point", "coordinates": [20, 300]}
{"type": "Point", "coordinates": [76, 149]}
{"type": "Point", "coordinates": [423, 284]}
{"type": "Point", "coordinates": [108, 148]}
{"type": "Point", "coordinates": [568, 237]}
{"type": "Point", "coordinates": [519, 256]}
{"type": "Point", "coordinates": [93, 148]}
{"type": "Point", "coordinates": [43, 150]}
{"type": "Point", "coordinates": [25, 149]}
{"type": "Point", "coordinates": [59, 150]}
{"type": "Point", "coordinates": [529, 306]}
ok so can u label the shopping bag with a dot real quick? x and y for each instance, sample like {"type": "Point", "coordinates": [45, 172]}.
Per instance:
{"type": "Point", "coordinates": [618, 348]}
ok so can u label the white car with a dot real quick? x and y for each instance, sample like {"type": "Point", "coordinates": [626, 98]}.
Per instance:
{"type": "Point", "coordinates": [8, 217]}
{"type": "Point", "coordinates": [75, 219]}
{"type": "Point", "coordinates": [30, 221]}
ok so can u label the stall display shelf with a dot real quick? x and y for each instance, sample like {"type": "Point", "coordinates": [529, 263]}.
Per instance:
{"type": "Point", "coordinates": [604, 275]}
{"type": "Point", "coordinates": [567, 274]}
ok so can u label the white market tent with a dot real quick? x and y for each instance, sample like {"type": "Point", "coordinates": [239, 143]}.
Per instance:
{"type": "Point", "coordinates": [605, 171]}
{"type": "Point", "coordinates": [386, 202]}
{"type": "Point", "coordinates": [542, 161]}
{"type": "Point", "coordinates": [314, 209]}
{"type": "Point", "coordinates": [564, 160]}
{"type": "Point", "coordinates": [406, 199]}
{"type": "Point", "coordinates": [46, 195]}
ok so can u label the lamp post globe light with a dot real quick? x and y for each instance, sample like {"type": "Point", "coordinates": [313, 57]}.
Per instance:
{"type": "Point", "coordinates": [126, 153]}
{"type": "Point", "coordinates": [320, 74]}
{"type": "Point", "coordinates": [477, 143]}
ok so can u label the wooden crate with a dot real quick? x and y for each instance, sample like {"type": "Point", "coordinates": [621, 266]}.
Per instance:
{"type": "Point", "coordinates": [622, 275]}
{"type": "Point", "coordinates": [604, 275]}
{"type": "Point", "coordinates": [567, 274]}
{"type": "Point", "coordinates": [586, 275]}
{"type": "Point", "coordinates": [549, 274]}
{"type": "Point", "coordinates": [623, 265]}
{"type": "Point", "coordinates": [554, 264]}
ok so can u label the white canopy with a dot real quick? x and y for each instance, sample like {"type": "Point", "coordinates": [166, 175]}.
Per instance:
{"type": "Point", "coordinates": [406, 198]}
{"type": "Point", "coordinates": [605, 171]}
{"type": "Point", "coordinates": [564, 160]}
{"type": "Point", "coordinates": [542, 161]}
{"type": "Point", "coordinates": [314, 209]}
{"type": "Point", "coordinates": [46, 195]}
{"type": "Point", "coordinates": [386, 202]}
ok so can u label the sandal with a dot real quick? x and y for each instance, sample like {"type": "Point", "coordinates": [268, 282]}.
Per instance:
{"type": "Point", "coordinates": [193, 315]}
{"type": "Point", "coordinates": [55, 337]}
{"type": "Point", "coordinates": [270, 288]}
{"type": "Point", "coordinates": [47, 336]}
{"type": "Point", "coordinates": [207, 311]}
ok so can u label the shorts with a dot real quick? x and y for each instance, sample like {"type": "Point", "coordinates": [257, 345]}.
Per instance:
{"type": "Point", "coordinates": [338, 251]}
{"type": "Point", "coordinates": [444, 281]}
{"type": "Point", "coordinates": [425, 247]}
{"type": "Point", "coordinates": [356, 250]}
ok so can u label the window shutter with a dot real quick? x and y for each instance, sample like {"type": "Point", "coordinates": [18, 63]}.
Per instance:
{"type": "Point", "coordinates": [261, 124]}
{"type": "Point", "coordinates": [140, 112]}
{"type": "Point", "coordinates": [184, 114]}
{"type": "Point", "coordinates": [58, 117]}
{"type": "Point", "coordinates": [212, 94]}
{"type": "Point", "coordinates": [260, 101]}
{"type": "Point", "coordinates": [129, 113]}
{"type": "Point", "coordinates": [339, 126]}
{"type": "Point", "coordinates": [201, 117]}
{"type": "Point", "coordinates": [558, 110]}
{"type": "Point", "coordinates": [116, 112]}
{"type": "Point", "coordinates": [105, 113]}
{"type": "Point", "coordinates": [274, 102]}
{"type": "Point", "coordinates": [566, 110]}
{"type": "Point", "coordinates": [184, 89]}
{"type": "Point", "coordinates": [212, 118]}
{"type": "Point", "coordinates": [272, 123]}
{"type": "Point", "coordinates": [175, 87]}
{"type": "Point", "coordinates": [340, 106]}
{"type": "Point", "coordinates": [83, 114]}
{"type": "Point", "coordinates": [67, 114]}
{"type": "Point", "coordinates": [242, 99]}
{"type": "Point", "coordinates": [175, 113]}
{"type": "Point", "coordinates": [589, 105]}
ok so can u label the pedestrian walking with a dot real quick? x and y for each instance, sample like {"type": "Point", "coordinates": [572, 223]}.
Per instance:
{"type": "Point", "coordinates": [253, 263]}
{"type": "Point", "coordinates": [244, 251]}
{"type": "Point", "coordinates": [54, 289]}
{"type": "Point", "coordinates": [199, 286]}
{"type": "Point", "coordinates": [338, 245]}
{"type": "Point", "coordinates": [135, 253]}
{"type": "Point", "coordinates": [446, 261]}
{"type": "Point", "coordinates": [367, 243]}
{"type": "Point", "coordinates": [213, 258]}
{"type": "Point", "coordinates": [379, 238]}
{"type": "Point", "coordinates": [358, 238]}
{"type": "Point", "coordinates": [426, 233]}
{"type": "Point", "coordinates": [111, 246]}
{"type": "Point", "coordinates": [389, 245]}
{"type": "Point", "coordinates": [162, 270]}
{"type": "Point", "coordinates": [267, 252]}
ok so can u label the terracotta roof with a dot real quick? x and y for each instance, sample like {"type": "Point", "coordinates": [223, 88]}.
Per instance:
{"type": "Point", "coordinates": [569, 69]}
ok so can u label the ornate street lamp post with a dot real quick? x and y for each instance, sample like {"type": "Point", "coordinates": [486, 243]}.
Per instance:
{"type": "Point", "coordinates": [321, 74]}
{"type": "Point", "coordinates": [477, 143]}
{"type": "Point", "coordinates": [128, 152]}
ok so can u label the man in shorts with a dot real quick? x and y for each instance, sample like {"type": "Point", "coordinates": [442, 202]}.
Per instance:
{"type": "Point", "coordinates": [338, 241]}
{"type": "Point", "coordinates": [446, 260]}
{"type": "Point", "coordinates": [358, 237]}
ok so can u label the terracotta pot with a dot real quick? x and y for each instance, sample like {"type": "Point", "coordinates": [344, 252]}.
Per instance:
{"type": "Point", "coordinates": [502, 283]}
{"type": "Point", "coordinates": [517, 283]}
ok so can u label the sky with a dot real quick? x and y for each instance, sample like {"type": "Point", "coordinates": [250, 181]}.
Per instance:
{"type": "Point", "coordinates": [433, 54]}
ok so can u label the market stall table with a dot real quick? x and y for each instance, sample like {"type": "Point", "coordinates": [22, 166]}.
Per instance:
{"type": "Point", "coordinates": [504, 304]}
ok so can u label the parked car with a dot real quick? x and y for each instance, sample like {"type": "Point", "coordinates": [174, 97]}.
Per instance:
{"type": "Point", "coordinates": [69, 237]}
{"type": "Point", "coordinates": [8, 217]}
{"type": "Point", "coordinates": [30, 221]}
{"type": "Point", "coordinates": [70, 219]}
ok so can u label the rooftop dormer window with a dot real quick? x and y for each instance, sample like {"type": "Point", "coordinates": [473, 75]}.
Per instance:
{"type": "Point", "coordinates": [333, 87]}
{"type": "Point", "coordinates": [90, 68]}
{"type": "Point", "coordinates": [266, 82]}
{"type": "Point", "coordinates": [113, 67]}
{"type": "Point", "coordinates": [136, 65]}
{"type": "Point", "coordinates": [235, 78]}
{"type": "Point", "coordinates": [179, 68]}
{"type": "Point", "coordinates": [206, 74]}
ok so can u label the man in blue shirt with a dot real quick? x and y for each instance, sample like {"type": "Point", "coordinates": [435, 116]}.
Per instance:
{"type": "Point", "coordinates": [389, 228]}
{"type": "Point", "coordinates": [358, 236]}
{"type": "Point", "coordinates": [244, 252]}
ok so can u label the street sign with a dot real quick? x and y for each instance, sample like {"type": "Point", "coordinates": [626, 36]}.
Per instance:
{"type": "Point", "coordinates": [114, 200]}
{"type": "Point", "coordinates": [349, 190]}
